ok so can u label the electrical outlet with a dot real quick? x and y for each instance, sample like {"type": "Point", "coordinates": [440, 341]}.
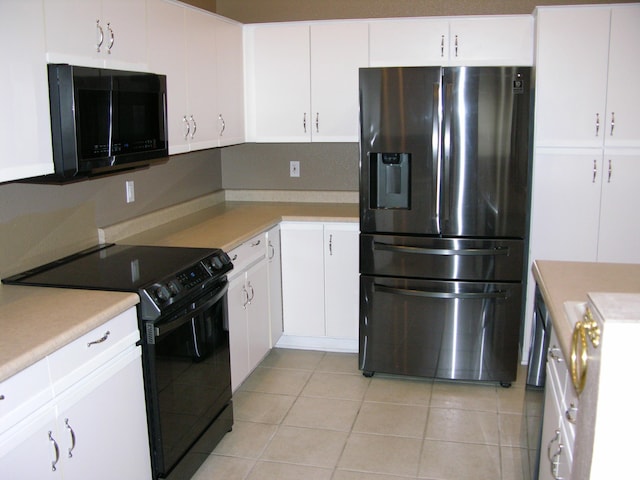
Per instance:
{"type": "Point", "coordinates": [294, 168]}
{"type": "Point", "coordinates": [131, 192]}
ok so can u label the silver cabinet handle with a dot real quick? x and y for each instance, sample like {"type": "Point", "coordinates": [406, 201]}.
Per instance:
{"type": "Point", "coordinates": [609, 172]}
{"type": "Point", "coordinates": [100, 340]}
{"type": "Point", "coordinates": [331, 244]}
{"type": "Point", "coordinates": [112, 38]}
{"type": "Point", "coordinates": [554, 354]}
{"type": "Point", "coordinates": [246, 297]}
{"type": "Point", "coordinates": [272, 253]}
{"type": "Point", "coordinates": [613, 122]}
{"type": "Point", "coordinates": [597, 124]}
{"type": "Point", "coordinates": [235, 257]}
{"type": "Point", "coordinates": [317, 122]}
{"type": "Point", "coordinates": [253, 294]}
{"type": "Point", "coordinates": [223, 125]}
{"type": "Point", "coordinates": [555, 462]}
{"type": "Point", "coordinates": [456, 44]}
{"type": "Point", "coordinates": [195, 126]}
{"type": "Point", "coordinates": [571, 413]}
{"type": "Point", "coordinates": [1, 397]}
{"type": "Point", "coordinates": [442, 46]}
{"type": "Point", "coordinates": [188, 129]}
{"type": "Point", "coordinates": [304, 122]}
{"type": "Point", "coordinates": [595, 171]}
{"type": "Point", "coordinates": [256, 243]}
{"type": "Point", "coordinates": [56, 451]}
{"type": "Point", "coordinates": [73, 437]}
{"type": "Point", "coordinates": [556, 438]}
{"type": "Point", "coordinates": [100, 36]}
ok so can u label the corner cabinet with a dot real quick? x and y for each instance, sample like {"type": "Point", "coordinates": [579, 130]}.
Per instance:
{"type": "Point", "coordinates": [91, 419]}
{"type": "Point", "coordinates": [200, 53]}
{"type": "Point", "coordinates": [25, 128]}
{"type": "Point", "coordinates": [248, 303]}
{"type": "Point", "coordinates": [472, 41]}
{"type": "Point", "coordinates": [302, 81]}
{"type": "Point", "coordinates": [320, 285]}
{"type": "Point", "coordinates": [100, 33]}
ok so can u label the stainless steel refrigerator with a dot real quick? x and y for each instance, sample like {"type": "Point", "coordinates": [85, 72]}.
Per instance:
{"type": "Point", "coordinates": [444, 196]}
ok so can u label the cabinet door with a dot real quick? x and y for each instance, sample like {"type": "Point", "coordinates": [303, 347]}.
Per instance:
{"type": "Point", "coordinates": [274, 266]}
{"type": "Point", "coordinates": [108, 33]}
{"type": "Point", "coordinates": [341, 280]}
{"type": "Point", "coordinates": [167, 39]}
{"type": "Point", "coordinates": [102, 422]}
{"type": "Point", "coordinates": [278, 79]}
{"type": "Point", "coordinates": [259, 335]}
{"type": "Point", "coordinates": [237, 298]}
{"type": "Point", "coordinates": [200, 52]}
{"type": "Point", "coordinates": [623, 102]}
{"type": "Point", "coordinates": [619, 219]}
{"type": "Point", "coordinates": [25, 128]}
{"type": "Point", "coordinates": [503, 40]}
{"type": "Point", "coordinates": [303, 279]}
{"type": "Point", "coordinates": [28, 450]}
{"type": "Point", "coordinates": [410, 42]}
{"type": "Point", "coordinates": [566, 206]}
{"type": "Point", "coordinates": [230, 83]}
{"type": "Point", "coordinates": [337, 51]}
{"type": "Point", "coordinates": [571, 76]}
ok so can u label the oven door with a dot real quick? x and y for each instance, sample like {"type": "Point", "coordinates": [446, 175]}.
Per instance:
{"type": "Point", "coordinates": [187, 376]}
{"type": "Point", "coordinates": [441, 329]}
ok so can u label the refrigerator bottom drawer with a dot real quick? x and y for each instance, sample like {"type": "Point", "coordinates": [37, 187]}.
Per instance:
{"type": "Point", "coordinates": [448, 330]}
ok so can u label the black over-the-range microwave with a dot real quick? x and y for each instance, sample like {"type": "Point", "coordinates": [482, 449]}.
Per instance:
{"type": "Point", "coordinates": [103, 121]}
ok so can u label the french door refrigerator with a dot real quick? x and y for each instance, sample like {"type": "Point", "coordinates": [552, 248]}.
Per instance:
{"type": "Point", "coordinates": [444, 196]}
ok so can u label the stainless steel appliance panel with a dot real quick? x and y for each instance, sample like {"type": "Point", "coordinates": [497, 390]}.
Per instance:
{"type": "Point", "coordinates": [442, 258]}
{"type": "Point", "coordinates": [399, 115]}
{"type": "Point", "coordinates": [485, 154]}
{"type": "Point", "coordinates": [452, 330]}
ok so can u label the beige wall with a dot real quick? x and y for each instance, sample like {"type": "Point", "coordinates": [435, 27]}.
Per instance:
{"type": "Point", "coordinates": [254, 11]}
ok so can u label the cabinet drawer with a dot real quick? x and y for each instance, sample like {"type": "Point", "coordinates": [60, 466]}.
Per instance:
{"type": "Point", "coordinates": [84, 355]}
{"type": "Point", "coordinates": [24, 393]}
{"type": "Point", "coordinates": [247, 254]}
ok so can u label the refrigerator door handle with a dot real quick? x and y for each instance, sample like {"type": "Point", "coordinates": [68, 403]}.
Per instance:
{"type": "Point", "coordinates": [441, 251]}
{"type": "Point", "coordinates": [436, 153]}
{"type": "Point", "coordinates": [501, 295]}
{"type": "Point", "coordinates": [447, 115]}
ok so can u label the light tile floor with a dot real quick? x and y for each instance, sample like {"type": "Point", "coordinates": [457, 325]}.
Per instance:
{"type": "Point", "coordinates": [313, 415]}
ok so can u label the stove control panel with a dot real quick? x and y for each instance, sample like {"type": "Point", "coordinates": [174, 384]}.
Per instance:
{"type": "Point", "coordinates": [176, 287]}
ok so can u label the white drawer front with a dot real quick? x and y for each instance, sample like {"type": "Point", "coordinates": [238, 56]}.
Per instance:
{"type": "Point", "coordinates": [24, 393]}
{"type": "Point", "coordinates": [247, 254]}
{"type": "Point", "coordinates": [82, 356]}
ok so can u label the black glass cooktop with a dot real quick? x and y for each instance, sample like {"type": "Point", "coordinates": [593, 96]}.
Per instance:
{"type": "Point", "coordinates": [128, 268]}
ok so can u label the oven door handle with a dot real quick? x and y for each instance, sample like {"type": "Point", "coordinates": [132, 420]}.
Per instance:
{"type": "Point", "coordinates": [441, 251]}
{"type": "Point", "coordinates": [160, 329]}
{"type": "Point", "coordinates": [422, 293]}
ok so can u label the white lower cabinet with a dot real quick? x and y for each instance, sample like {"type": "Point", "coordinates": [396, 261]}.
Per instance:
{"type": "Point", "coordinates": [320, 281]}
{"type": "Point", "coordinates": [560, 412]}
{"type": "Point", "coordinates": [248, 301]}
{"type": "Point", "coordinates": [95, 428]}
{"type": "Point", "coordinates": [274, 267]}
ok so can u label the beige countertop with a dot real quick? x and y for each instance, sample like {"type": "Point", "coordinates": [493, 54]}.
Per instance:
{"type": "Point", "coordinates": [560, 282]}
{"type": "Point", "coordinates": [229, 224]}
{"type": "Point", "coordinates": [37, 321]}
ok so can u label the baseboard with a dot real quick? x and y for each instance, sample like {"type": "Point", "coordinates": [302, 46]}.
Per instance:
{"type": "Point", "coordinates": [325, 344]}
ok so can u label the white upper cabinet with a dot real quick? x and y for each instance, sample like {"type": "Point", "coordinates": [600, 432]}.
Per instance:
{"type": "Point", "coordinates": [486, 40]}
{"type": "Point", "coordinates": [586, 58]}
{"type": "Point", "coordinates": [101, 33]}
{"type": "Point", "coordinates": [25, 128]}
{"type": "Point", "coordinates": [278, 83]}
{"type": "Point", "coordinates": [302, 81]}
{"type": "Point", "coordinates": [230, 82]}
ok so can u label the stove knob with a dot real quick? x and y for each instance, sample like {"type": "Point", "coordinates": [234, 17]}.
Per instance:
{"type": "Point", "coordinates": [216, 263]}
{"type": "Point", "coordinates": [225, 258]}
{"type": "Point", "coordinates": [163, 293]}
{"type": "Point", "coordinates": [173, 289]}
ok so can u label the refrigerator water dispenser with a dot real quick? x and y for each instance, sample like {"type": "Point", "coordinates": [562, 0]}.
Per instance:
{"type": "Point", "coordinates": [390, 180]}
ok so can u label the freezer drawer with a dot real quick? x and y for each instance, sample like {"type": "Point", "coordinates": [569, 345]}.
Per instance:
{"type": "Point", "coordinates": [441, 258]}
{"type": "Point", "coordinates": [448, 330]}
